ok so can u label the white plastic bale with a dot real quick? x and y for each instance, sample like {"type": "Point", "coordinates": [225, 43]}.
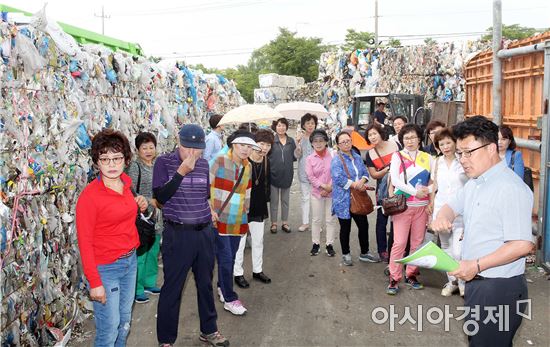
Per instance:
{"type": "Point", "coordinates": [63, 109]}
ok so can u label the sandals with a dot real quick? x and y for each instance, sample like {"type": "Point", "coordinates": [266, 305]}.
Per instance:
{"type": "Point", "coordinates": [286, 228]}
{"type": "Point", "coordinates": [273, 228]}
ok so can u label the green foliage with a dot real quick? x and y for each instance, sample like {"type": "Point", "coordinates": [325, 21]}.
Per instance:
{"type": "Point", "coordinates": [393, 42]}
{"type": "Point", "coordinates": [512, 32]}
{"type": "Point", "coordinates": [429, 41]}
{"type": "Point", "coordinates": [289, 55]}
{"type": "Point", "coordinates": [285, 55]}
{"type": "Point", "coordinates": [358, 40]}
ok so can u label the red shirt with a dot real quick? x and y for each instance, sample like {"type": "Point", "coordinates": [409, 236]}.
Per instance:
{"type": "Point", "coordinates": [105, 225]}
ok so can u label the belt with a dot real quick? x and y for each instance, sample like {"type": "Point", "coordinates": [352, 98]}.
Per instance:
{"type": "Point", "coordinates": [477, 278]}
{"type": "Point", "coordinates": [198, 226]}
{"type": "Point", "coordinates": [127, 254]}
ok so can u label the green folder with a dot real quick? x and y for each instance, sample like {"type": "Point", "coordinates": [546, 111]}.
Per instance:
{"type": "Point", "coordinates": [431, 257]}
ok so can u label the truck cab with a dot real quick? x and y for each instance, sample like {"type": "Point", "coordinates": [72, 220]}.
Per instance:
{"type": "Point", "coordinates": [409, 105]}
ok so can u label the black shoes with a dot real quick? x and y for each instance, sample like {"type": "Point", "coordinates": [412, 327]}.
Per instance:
{"type": "Point", "coordinates": [330, 251]}
{"type": "Point", "coordinates": [241, 282]}
{"type": "Point", "coordinates": [260, 276]}
{"type": "Point", "coordinates": [315, 249]}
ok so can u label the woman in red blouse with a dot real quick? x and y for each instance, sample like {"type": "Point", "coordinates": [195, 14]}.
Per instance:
{"type": "Point", "coordinates": [107, 237]}
{"type": "Point", "coordinates": [378, 163]}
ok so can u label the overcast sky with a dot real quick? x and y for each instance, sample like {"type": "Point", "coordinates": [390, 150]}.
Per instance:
{"type": "Point", "coordinates": [223, 33]}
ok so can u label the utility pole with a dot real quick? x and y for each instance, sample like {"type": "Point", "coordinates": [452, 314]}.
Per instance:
{"type": "Point", "coordinates": [376, 23]}
{"type": "Point", "coordinates": [497, 64]}
{"type": "Point", "coordinates": [103, 17]}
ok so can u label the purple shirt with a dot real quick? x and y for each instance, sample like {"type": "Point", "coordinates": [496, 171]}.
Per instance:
{"type": "Point", "coordinates": [189, 205]}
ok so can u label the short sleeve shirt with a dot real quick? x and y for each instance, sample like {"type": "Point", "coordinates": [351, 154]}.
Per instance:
{"type": "Point", "coordinates": [497, 208]}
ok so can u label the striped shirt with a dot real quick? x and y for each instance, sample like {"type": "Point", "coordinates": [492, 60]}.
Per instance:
{"type": "Point", "coordinates": [224, 173]}
{"type": "Point", "coordinates": [189, 205]}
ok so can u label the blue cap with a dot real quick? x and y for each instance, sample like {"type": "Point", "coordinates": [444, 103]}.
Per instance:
{"type": "Point", "coordinates": [192, 136]}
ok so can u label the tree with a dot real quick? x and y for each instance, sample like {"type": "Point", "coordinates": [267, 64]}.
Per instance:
{"type": "Point", "coordinates": [393, 42]}
{"type": "Point", "coordinates": [358, 40]}
{"type": "Point", "coordinates": [289, 55]}
{"type": "Point", "coordinates": [429, 41]}
{"type": "Point", "coordinates": [512, 32]}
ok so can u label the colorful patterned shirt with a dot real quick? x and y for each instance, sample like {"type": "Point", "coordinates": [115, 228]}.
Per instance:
{"type": "Point", "coordinates": [418, 165]}
{"type": "Point", "coordinates": [233, 220]}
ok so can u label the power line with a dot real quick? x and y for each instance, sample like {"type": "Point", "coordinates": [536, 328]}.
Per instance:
{"type": "Point", "coordinates": [187, 9]}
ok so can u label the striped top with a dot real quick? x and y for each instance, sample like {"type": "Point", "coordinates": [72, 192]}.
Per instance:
{"type": "Point", "coordinates": [189, 205]}
{"type": "Point", "coordinates": [418, 165]}
{"type": "Point", "coordinates": [233, 220]}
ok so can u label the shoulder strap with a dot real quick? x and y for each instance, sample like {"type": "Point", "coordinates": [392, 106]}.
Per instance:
{"type": "Point", "coordinates": [434, 188]}
{"type": "Point", "coordinates": [513, 159]}
{"type": "Point", "coordinates": [139, 177]}
{"type": "Point", "coordinates": [403, 164]}
{"type": "Point", "coordinates": [232, 190]}
{"type": "Point", "coordinates": [379, 156]}
{"type": "Point", "coordinates": [345, 166]}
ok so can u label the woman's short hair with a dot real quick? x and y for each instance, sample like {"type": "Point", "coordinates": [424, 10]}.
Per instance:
{"type": "Point", "coordinates": [109, 140]}
{"type": "Point", "coordinates": [443, 134]}
{"type": "Point", "coordinates": [214, 120]}
{"type": "Point", "coordinates": [145, 137]}
{"type": "Point", "coordinates": [434, 124]}
{"type": "Point", "coordinates": [408, 128]}
{"type": "Point", "coordinates": [340, 134]}
{"type": "Point", "coordinates": [264, 135]}
{"type": "Point", "coordinates": [280, 120]}
{"type": "Point", "coordinates": [249, 126]}
{"type": "Point", "coordinates": [379, 129]}
{"type": "Point", "coordinates": [306, 118]}
{"type": "Point", "coordinates": [507, 133]}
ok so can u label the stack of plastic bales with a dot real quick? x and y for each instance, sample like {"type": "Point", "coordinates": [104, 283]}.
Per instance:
{"type": "Point", "coordinates": [275, 89]}
{"type": "Point", "coordinates": [435, 71]}
{"type": "Point", "coordinates": [55, 95]}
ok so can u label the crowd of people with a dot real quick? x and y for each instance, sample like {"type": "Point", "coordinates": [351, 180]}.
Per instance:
{"type": "Point", "coordinates": [204, 198]}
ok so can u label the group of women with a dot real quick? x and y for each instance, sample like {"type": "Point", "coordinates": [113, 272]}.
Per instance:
{"type": "Point", "coordinates": [327, 177]}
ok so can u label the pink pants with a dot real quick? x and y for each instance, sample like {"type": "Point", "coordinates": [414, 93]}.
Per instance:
{"type": "Point", "coordinates": [411, 223]}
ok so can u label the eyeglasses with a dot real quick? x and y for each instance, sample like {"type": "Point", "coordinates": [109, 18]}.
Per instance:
{"type": "Point", "coordinates": [115, 160]}
{"type": "Point", "coordinates": [468, 153]}
{"type": "Point", "coordinates": [319, 141]}
{"type": "Point", "coordinates": [345, 142]}
{"type": "Point", "coordinates": [409, 139]}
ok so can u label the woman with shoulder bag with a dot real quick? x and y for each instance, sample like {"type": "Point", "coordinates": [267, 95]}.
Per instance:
{"type": "Point", "coordinates": [141, 172]}
{"type": "Point", "coordinates": [106, 213]}
{"type": "Point", "coordinates": [378, 163]}
{"type": "Point", "coordinates": [342, 185]}
{"type": "Point", "coordinates": [448, 177]}
{"type": "Point", "coordinates": [410, 175]}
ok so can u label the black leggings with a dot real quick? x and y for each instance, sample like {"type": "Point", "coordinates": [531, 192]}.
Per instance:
{"type": "Point", "coordinates": [345, 229]}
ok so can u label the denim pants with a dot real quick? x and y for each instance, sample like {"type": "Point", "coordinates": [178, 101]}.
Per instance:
{"type": "Point", "coordinates": [182, 249]}
{"type": "Point", "coordinates": [112, 319]}
{"type": "Point", "coordinates": [226, 250]}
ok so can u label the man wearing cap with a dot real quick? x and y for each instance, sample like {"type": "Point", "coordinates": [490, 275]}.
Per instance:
{"type": "Point", "coordinates": [181, 184]}
{"type": "Point", "coordinates": [379, 114]}
{"type": "Point", "coordinates": [230, 190]}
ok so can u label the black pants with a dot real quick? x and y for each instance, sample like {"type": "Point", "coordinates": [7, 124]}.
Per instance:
{"type": "Point", "coordinates": [185, 248]}
{"type": "Point", "coordinates": [345, 229]}
{"type": "Point", "coordinates": [381, 237]}
{"type": "Point", "coordinates": [492, 292]}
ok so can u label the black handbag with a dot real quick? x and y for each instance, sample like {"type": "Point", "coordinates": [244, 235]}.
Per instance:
{"type": "Point", "coordinates": [145, 226]}
{"type": "Point", "coordinates": [397, 203]}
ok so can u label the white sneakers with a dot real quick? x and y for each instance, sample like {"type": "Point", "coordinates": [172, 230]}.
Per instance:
{"type": "Point", "coordinates": [450, 288]}
{"type": "Point", "coordinates": [236, 307]}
